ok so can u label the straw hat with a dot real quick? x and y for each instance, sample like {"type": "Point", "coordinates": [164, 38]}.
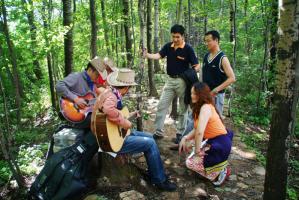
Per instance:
{"type": "Point", "coordinates": [98, 64]}
{"type": "Point", "coordinates": [109, 63]}
{"type": "Point", "coordinates": [122, 77]}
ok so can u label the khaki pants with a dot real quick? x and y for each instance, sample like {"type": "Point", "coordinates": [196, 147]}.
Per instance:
{"type": "Point", "coordinates": [173, 87]}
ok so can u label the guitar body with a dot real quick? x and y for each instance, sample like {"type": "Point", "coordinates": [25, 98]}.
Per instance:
{"type": "Point", "coordinates": [74, 114]}
{"type": "Point", "coordinates": [110, 136]}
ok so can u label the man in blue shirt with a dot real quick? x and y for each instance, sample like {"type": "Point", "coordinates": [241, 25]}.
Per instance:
{"type": "Point", "coordinates": [180, 56]}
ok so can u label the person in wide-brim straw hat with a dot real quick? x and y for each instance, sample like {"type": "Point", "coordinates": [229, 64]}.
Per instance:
{"type": "Point", "coordinates": [110, 102]}
{"type": "Point", "coordinates": [122, 77]}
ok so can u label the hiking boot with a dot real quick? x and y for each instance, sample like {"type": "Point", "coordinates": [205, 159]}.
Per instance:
{"type": "Point", "coordinates": [166, 186]}
{"type": "Point", "coordinates": [159, 134]}
{"type": "Point", "coordinates": [224, 174]}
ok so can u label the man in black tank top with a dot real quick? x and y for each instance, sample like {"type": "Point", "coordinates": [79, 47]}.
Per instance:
{"type": "Point", "coordinates": [216, 71]}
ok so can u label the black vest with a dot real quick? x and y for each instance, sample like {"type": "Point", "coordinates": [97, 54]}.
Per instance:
{"type": "Point", "coordinates": [212, 71]}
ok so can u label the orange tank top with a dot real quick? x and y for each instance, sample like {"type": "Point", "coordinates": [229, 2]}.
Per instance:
{"type": "Point", "coordinates": [214, 127]}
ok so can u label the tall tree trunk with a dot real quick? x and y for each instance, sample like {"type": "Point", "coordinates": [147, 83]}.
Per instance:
{"type": "Point", "coordinates": [6, 144]}
{"type": "Point", "coordinates": [133, 29]}
{"type": "Point", "coordinates": [127, 32]}
{"type": "Point", "coordinates": [8, 71]}
{"type": "Point", "coordinates": [9, 74]}
{"type": "Point", "coordinates": [189, 21]}
{"type": "Point", "coordinates": [93, 21]}
{"type": "Point", "coordinates": [122, 46]}
{"type": "Point", "coordinates": [68, 38]}
{"type": "Point", "coordinates": [116, 44]}
{"type": "Point", "coordinates": [179, 12]}
{"type": "Point", "coordinates": [247, 41]}
{"type": "Point", "coordinates": [30, 17]}
{"type": "Point", "coordinates": [185, 22]}
{"type": "Point", "coordinates": [141, 13]}
{"type": "Point", "coordinates": [156, 35]}
{"type": "Point", "coordinates": [262, 80]}
{"type": "Point", "coordinates": [13, 59]}
{"type": "Point", "coordinates": [233, 37]}
{"type": "Point", "coordinates": [106, 31]}
{"type": "Point", "coordinates": [46, 20]}
{"type": "Point", "coordinates": [285, 102]}
{"type": "Point", "coordinates": [74, 6]}
{"type": "Point", "coordinates": [205, 18]}
{"type": "Point", "coordinates": [221, 7]}
{"type": "Point", "coordinates": [152, 87]}
{"type": "Point", "coordinates": [273, 49]}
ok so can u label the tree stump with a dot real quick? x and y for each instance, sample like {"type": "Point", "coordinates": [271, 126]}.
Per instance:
{"type": "Point", "coordinates": [118, 172]}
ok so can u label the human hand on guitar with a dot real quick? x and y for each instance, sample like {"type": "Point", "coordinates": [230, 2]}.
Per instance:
{"type": "Point", "coordinates": [81, 103]}
{"type": "Point", "coordinates": [127, 125]}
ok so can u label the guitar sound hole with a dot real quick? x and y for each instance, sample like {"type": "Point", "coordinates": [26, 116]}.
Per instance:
{"type": "Point", "coordinates": [122, 132]}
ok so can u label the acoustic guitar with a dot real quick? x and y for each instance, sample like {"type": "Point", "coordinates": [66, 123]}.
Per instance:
{"type": "Point", "coordinates": [72, 112]}
{"type": "Point", "coordinates": [110, 136]}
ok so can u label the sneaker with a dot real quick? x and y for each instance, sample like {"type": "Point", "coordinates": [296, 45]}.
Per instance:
{"type": "Point", "coordinates": [166, 186]}
{"type": "Point", "coordinates": [159, 134]}
{"type": "Point", "coordinates": [224, 174]}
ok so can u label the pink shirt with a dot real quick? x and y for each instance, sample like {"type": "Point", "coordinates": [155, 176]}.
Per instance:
{"type": "Point", "coordinates": [108, 103]}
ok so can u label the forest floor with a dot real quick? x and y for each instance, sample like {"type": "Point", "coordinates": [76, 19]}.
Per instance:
{"type": "Point", "coordinates": [246, 180]}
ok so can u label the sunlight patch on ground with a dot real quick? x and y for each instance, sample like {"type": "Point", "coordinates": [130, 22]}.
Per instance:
{"type": "Point", "coordinates": [152, 104]}
{"type": "Point", "coordinates": [243, 154]}
{"type": "Point", "coordinates": [255, 129]}
{"type": "Point", "coordinates": [151, 109]}
{"type": "Point", "coordinates": [169, 120]}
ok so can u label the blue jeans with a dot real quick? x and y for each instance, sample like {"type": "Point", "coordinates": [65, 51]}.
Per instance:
{"type": "Point", "coordinates": [219, 101]}
{"type": "Point", "coordinates": [138, 142]}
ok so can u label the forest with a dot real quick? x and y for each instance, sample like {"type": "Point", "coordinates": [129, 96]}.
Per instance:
{"type": "Point", "coordinates": [42, 41]}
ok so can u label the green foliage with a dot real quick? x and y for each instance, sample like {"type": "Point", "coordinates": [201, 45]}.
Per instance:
{"type": "Point", "coordinates": [5, 172]}
{"type": "Point", "coordinates": [295, 165]}
{"type": "Point", "coordinates": [297, 124]}
{"type": "Point", "coordinates": [253, 142]}
{"type": "Point", "coordinates": [30, 159]}
{"type": "Point", "coordinates": [30, 136]}
{"type": "Point", "coordinates": [101, 198]}
{"type": "Point", "coordinates": [292, 194]}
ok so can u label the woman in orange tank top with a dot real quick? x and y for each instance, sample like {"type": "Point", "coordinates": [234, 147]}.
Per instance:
{"type": "Point", "coordinates": [212, 141]}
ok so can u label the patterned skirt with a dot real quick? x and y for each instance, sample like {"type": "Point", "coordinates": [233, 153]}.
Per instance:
{"type": "Point", "coordinates": [215, 158]}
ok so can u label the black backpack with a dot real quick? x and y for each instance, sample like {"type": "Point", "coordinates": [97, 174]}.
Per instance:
{"type": "Point", "coordinates": [64, 174]}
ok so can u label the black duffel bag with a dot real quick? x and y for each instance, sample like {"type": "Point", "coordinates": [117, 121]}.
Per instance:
{"type": "Point", "coordinates": [64, 174]}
